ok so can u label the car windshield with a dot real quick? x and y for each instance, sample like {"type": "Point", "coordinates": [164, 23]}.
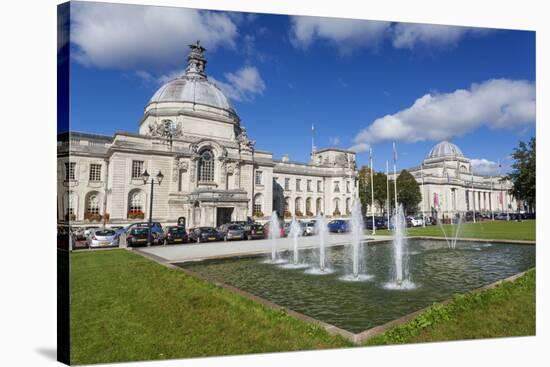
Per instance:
{"type": "Point", "coordinates": [139, 230]}
{"type": "Point", "coordinates": [234, 228]}
{"type": "Point", "coordinates": [207, 229]}
{"type": "Point", "coordinates": [107, 232]}
{"type": "Point", "coordinates": [177, 230]}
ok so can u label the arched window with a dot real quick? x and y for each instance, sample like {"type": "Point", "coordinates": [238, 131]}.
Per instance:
{"type": "Point", "coordinates": [298, 207]}
{"type": "Point", "coordinates": [136, 203]}
{"type": "Point", "coordinates": [92, 204]}
{"type": "Point", "coordinates": [336, 207]}
{"type": "Point", "coordinates": [258, 199]}
{"type": "Point", "coordinates": [308, 206]}
{"type": "Point", "coordinates": [71, 203]}
{"type": "Point", "coordinates": [206, 166]}
{"type": "Point", "coordinates": [318, 207]}
{"type": "Point", "coordinates": [287, 205]}
{"type": "Point", "coordinates": [348, 206]}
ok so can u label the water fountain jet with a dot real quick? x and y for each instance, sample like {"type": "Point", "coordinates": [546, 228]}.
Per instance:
{"type": "Point", "coordinates": [400, 276]}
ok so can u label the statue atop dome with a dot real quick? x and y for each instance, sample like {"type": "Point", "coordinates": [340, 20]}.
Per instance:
{"type": "Point", "coordinates": [196, 61]}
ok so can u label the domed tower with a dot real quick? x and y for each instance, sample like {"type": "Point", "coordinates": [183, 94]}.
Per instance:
{"type": "Point", "coordinates": [191, 104]}
{"type": "Point", "coordinates": [449, 158]}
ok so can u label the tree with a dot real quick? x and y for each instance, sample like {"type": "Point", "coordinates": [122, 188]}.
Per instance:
{"type": "Point", "coordinates": [365, 194]}
{"type": "Point", "coordinates": [408, 192]}
{"type": "Point", "coordinates": [523, 175]}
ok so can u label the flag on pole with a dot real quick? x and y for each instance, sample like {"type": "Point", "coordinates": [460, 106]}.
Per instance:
{"type": "Point", "coordinates": [370, 157]}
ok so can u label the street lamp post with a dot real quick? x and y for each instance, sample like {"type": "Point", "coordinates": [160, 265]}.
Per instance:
{"type": "Point", "coordinates": [146, 179]}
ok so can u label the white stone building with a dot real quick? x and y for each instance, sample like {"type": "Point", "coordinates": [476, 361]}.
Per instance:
{"type": "Point", "coordinates": [212, 171]}
{"type": "Point", "coordinates": [449, 186]}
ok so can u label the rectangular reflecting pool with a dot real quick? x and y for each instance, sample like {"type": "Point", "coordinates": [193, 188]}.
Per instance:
{"type": "Point", "coordinates": [436, 271]}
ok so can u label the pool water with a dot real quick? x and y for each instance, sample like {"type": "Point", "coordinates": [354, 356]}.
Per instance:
{"type": "Point", "coordinates": [436, 271]}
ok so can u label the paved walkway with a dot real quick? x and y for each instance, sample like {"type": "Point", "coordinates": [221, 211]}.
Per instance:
{"type": "Point", "coordinates": [188, 252]}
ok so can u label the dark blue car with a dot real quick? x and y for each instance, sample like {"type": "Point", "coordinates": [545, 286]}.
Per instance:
{"type": "Point", "coordinates": [338, 226]}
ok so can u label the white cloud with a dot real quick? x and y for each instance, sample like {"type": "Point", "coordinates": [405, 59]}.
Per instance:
{"type": "Point", "coordinates": [127, 36]}
{"type": "Point", "coordinates": [495, 103]}
{"type": "Point", "coordinates": [485, 167]}
{"type": "Point", "coordinates": [243, 84]}
{"type": "Point", "coordinates": [409, 35]}
{"type": "Point", "coordinates": [348, 34]}
{"type": "Point", "coordinates": [334, 140]}
{"type": "Point", "coordinates": [345, 34]}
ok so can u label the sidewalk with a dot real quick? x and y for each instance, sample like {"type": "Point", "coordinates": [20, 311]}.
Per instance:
{"type": "Point", "coordinates": [193, 252]}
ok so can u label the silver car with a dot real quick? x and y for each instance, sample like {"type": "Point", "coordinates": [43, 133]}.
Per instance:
{"type": "Point", "coordinates": [234, 232]}
{"type": "Point", "coordinates": [102, 238]}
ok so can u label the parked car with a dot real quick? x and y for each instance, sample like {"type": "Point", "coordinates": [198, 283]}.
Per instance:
{"type": "Point", "coordinates": [338, 226]}
{"type": "Point", "coordinates": [233, 232]}
{"type": "Point", "coordinates": [253, 231]}
{"type": "Point", "coordinates": [176, 234]}
{"type": "Point", "coordinates": [309, 228]}
{"type": "Point", "coordinates": [137, 236]}
{"type": "Point", "coordinates": [84, 233]}
{"type": "Point", "coordinates": [156, 230]}
{"type": "Point", "coordinates": [267, 230]}
{"type": "Point", "coordinates": [287, 226]}
{"type": "Point", "coordinates": [379, 222]}
{"type": "Point", "coordinates": [416, 221]}
{"type": "Point", "coordinates": [204, 234]}
{"type": "Point", "coordinates": [101, 238]}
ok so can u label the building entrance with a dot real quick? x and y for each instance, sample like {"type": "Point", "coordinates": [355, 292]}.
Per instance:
{"type": "Point", "coordinates": [223, 216]}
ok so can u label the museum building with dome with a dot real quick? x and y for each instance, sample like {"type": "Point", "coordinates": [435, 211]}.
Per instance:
{"type": "Point", "coordinates": [212, 171]}
{"type": "Point", "coordinates": [450, 187]}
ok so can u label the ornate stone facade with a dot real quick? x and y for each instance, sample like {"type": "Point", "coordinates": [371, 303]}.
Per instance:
{"type": "Point", "coordinates": [214, 172]}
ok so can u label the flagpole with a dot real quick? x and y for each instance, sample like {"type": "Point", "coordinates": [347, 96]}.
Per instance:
{"type": "Point", "coordinates": [395, 176]}
{"type": "Point", "coordinates": [372, 192]}
{"type": "Point", "coordinates": [423, 204]}
{"type": "Point", "coordinates": [473, 196]}
{"type": "Point", "coordinates": [388, 193]}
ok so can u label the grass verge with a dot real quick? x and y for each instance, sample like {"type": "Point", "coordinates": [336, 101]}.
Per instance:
{"type": "Point", "coordinates": [505, 311]}
{"type": "Point", "coordinates": [497, 230]}
{"type": "Point", "coordinates": [127, 308]}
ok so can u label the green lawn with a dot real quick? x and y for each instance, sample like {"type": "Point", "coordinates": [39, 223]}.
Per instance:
{"type": "Point", "coordinates": [497, 230]}
{"type": "Point", "coordinates": [127, 308]}
{"type": "Point", "coordinates": [507, 310]}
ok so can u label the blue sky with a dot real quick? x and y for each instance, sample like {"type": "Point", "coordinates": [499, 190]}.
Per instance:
{"type": "Point", "coordinates": [363, 84]}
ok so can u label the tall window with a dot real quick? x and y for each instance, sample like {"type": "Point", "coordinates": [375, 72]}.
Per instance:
{"type": "Point", "coordinates": [348, 205]}
{"type": "Point", "coordinates": [69, 171]}
{"type": "Point", "coordinates": [347, 187]}
{"type": "Point", "coordinates": [319, 188]}
{"type": "Point", "coordinates": [93, 204]}
{"type": "Point", "coordinates": [308, 206]}
{"type": "Point", "coordinates": [308, 185]}
{"type": "Point", "coordinates": [258, 204]}
{"type": "Point", "coordinates": [287, 199]}
{"type": "Point", "coordinates": [258, 177]}
{"type": "Point", "coordinates": [318, 206]}
{"type": "Point", "coordinates": [95, 172]}
{"type": "Point", "coordinates": [287, 184]}
{"type": "Point", "coordinates": [206, 166]}
{"type": "Point", "coordinates": [135, 202]}
{"type": "Point", "coordinates": [71, 201]}
{"type": "Point", "coordinates": [298, 184]}
{"type": "Point", "coordinates": [137, 169]}
{"type": "Point", "coordinates": [336, 186]}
